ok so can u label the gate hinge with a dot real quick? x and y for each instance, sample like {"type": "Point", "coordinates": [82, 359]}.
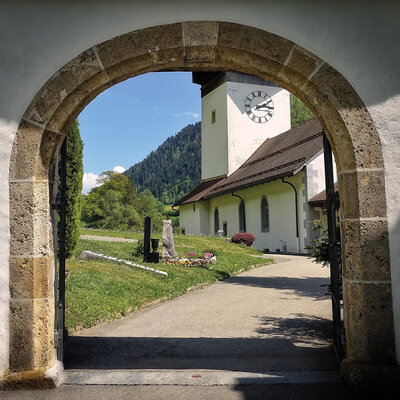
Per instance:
{"type": "Point", "coordinates": [56, 337]}
{"type": "Point", "coordinates": [56, 206]}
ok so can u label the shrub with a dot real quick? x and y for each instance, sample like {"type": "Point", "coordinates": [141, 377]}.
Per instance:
{"type": "Point", "coordinates": [139, 250]}
{"type": "Point", "coordinates": [244, 237]}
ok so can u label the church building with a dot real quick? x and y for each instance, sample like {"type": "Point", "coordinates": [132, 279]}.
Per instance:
{"type": "Point", "coordinates": [257, 174]}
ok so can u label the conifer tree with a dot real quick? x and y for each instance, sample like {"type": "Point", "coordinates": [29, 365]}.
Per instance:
{"type": "Point", "coordinates": [74, 158]}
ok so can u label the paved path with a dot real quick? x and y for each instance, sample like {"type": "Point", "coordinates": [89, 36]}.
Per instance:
{"type": "Point", "coordinates": [251, 330]}
{"type": "Point", "coordinates": [273, 318]}
{"type": "Point", "coordinates": [108, 238]}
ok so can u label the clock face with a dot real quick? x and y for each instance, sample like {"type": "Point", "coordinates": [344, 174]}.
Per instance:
{"type": "Point", "coordinates": [259, 106]}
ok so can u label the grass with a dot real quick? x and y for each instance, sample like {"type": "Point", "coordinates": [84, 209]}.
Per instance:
{"type": "Point", "coordinates": [102, 291]}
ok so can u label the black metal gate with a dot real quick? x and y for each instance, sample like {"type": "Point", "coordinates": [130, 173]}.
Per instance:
{"type": "Point", "coordinates": [59, 220]}
{"type": "Point", "coordinates": [332, 205]}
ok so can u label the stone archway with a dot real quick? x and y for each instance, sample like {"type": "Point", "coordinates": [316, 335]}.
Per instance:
{"type": "Point", "coordinates": [200, 46]}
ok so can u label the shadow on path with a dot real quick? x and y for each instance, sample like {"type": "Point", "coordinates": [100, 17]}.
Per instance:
{"type": "Point", "coordinates": [300, 343]}
{"type": "Point", "coordinates": [313, 287]}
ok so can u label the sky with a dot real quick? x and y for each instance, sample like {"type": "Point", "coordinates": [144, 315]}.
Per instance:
{"type": "Point", "coordinates": [122, 125]}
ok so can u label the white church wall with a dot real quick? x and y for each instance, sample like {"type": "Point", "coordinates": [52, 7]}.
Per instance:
{"type": "Point", "coordinates": [246, 136]}
{"type": "Point", "coordinates": [228, 209]}
{"type": "Point", "coordinates": [316, 175]}
{"type": "Point", "coordinates": [204, 211]}
{"type": "Point", "coordinates": [189, 219]}
{"type": "Point", "coordinates": [214, 143]}
{"type": "Point", "coordinates": [282, 213]}
{"type": "Point", "coordinates": [194, 218]}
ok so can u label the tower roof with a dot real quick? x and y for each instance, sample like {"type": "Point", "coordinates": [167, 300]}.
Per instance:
{"type": "Point", "coordinates": [211, 80]}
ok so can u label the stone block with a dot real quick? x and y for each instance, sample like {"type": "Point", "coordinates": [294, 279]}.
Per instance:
{"type": "Point", "coordinates": [171, 59]}
{"type": "Point", "coordinates": [369, 322]}
{"type": "Point", "coordinates": [365, 250]}
{"type": "Point", "coordinates": [330, 120]}
{"type": "Point", "coordinates": [76, 101]}
{"type": "Point", "coordinates": [248, 63]}
{"type": "Point", "coordinates": [34, 151]}
{"type": "Point", "coordinates": [30, 226]}
{"type": "Point", "coordinates": [254, 41]}
{"type": "Point", "coordinates": [365, 140]}
{"type": "Point", "coordinates": [336, 88]}
{"type": "Point", "coordinates": [200, 55]}
{"type": "Point", "coordinates": [303, 62]}
{"type": "Point", "coordinates": [200, 33]}
{"type": "Point", "coordinates": [140, 43]}
{"type": "Point", "coordinates": [362, 194]}
{"type": "Point", "coordinates": [60, 85]}
{"type": "Point", "coordinates": [370, 379]}
{"type": "Point", "coordinates": [31, 277]}
{"type": "Point", "coordinates": [292, 80]}
{"type": "Point", "coordinates": [48, 153]}
{"type": "Point", "coordinates": [25, 151]}
{"type": "Point", "coordinates": [31, 334]}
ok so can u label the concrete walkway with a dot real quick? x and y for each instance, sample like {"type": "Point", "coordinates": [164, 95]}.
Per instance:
{"type": "Point", "coordinates": [263, 334]}
{"type": "Point", "coordinates": [107, 238]}
{"type": "Point", "coordinates": [273, 318]}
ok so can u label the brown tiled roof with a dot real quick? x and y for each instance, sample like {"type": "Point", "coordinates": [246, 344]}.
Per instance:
{"type": "Point", "coordinates": [320, 198]}
{"type": "Point", "coordinates": [280, 156]}
{"type": "Point", "coordinates": [199, 192]}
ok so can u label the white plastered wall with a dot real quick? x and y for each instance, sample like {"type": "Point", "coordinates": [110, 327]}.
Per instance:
{"type": "Point", "coordinates": [214, 140]}
{"type": "Point", "coordinates": [316, 175]}
{"type": "Point", "coordinates": [194, 218]}
{"type": "Point", "coordinates": [282, 215]}
{"type": "Point", "coordinates": [38, 37]}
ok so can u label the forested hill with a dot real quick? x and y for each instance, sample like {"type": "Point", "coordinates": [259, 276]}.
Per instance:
{"type": "Point", "coordinates": [173, 169]}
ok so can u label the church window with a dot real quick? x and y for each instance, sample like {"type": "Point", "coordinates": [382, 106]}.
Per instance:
{"type": "Point", "coordinates": [241, 217]}
{"type": "Point", "coordinates": [213, 116]}
{"type": "Point", "coordinates": [216, 221]}
{"type": "Point", "coordinates": [264, 214]}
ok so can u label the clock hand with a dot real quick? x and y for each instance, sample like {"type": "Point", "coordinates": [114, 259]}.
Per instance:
{"type": "Point", "coordinates": [263, 107]}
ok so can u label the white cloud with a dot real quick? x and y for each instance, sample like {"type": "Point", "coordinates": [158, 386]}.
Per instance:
{"type": "Point", "coordinates": [119, 169]}
{"type": "Point", "coordinates": [190, 113]}
{"type": "Point", "coordinates": [89, 181]}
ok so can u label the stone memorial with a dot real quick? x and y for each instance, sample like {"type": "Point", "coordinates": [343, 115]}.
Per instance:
{"type": "Point", "coordinates": [168, 250]}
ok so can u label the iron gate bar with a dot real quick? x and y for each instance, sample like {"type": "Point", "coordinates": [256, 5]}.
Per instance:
{"type": "Point", "coordinates": [61, 206]}
{"type": "Point", "coordinates": [332, 205]}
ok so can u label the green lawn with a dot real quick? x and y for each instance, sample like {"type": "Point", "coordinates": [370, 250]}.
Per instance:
{"type": "Point", "coordinates": [102, 291]}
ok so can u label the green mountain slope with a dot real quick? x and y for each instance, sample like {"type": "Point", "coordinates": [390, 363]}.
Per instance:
{"type": "Point", "coordinates": [173, 169]}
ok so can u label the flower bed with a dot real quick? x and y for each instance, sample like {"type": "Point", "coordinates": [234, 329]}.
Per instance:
{"type": "Point", "coordinates": [192, 260]}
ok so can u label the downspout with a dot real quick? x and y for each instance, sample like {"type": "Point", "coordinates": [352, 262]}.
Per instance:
{"type": "Point", "coordinates": [244, 211]}
{"type": "Point", "coordinates": [297, 215]}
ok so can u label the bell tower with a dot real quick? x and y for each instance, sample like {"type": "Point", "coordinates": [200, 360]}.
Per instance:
{"type": "Point", "coordinates": [238, 113]}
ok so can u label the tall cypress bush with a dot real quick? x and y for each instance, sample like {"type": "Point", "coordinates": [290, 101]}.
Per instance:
{"type": "Point", "coordinates": [74, 187]}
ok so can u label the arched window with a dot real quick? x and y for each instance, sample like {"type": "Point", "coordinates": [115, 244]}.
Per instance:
{"type": "Point", "coordinates": [216, 221]}
{"type": "Point", "coordinates": [264, 214]}
{"type": "Point", "coordinates": [241, 217]}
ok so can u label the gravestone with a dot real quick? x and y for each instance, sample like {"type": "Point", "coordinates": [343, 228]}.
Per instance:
{"type": "Point", "coordinates": [154, 256]}
{"type": "Point", "coordinates": [147, 238]}
{"type": "Point", "coordinates": [168, 240]}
